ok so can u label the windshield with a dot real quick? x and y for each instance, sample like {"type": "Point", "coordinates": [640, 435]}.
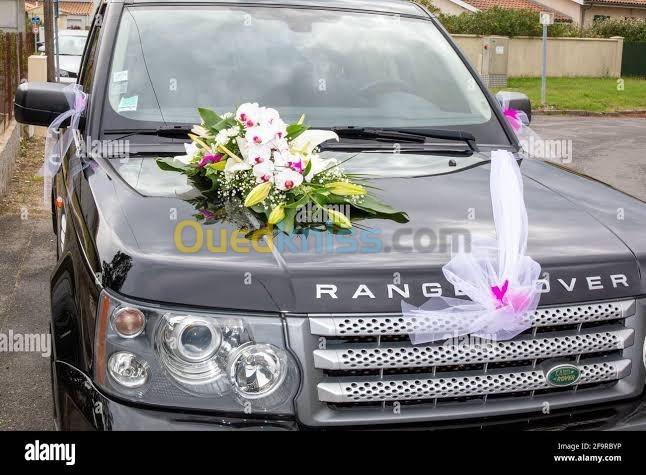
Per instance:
{"type": "Point", "coordinates": [71, 45]}
{"type": "Point", "coordinates": [338, 68]}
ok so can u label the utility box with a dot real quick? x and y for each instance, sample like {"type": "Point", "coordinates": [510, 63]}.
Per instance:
{"type": "Point", "coordinates": [495, 53]}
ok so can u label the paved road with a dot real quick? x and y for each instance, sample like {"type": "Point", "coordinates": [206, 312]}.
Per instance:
{"type": "Point", "coordinates": [26, 259]}
{"type": "Point", "coordinates": [609, 149]}
{"type": "Point", "coordinates": [613, 150]}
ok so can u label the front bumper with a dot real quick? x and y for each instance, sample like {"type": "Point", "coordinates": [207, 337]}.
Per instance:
{"type": "Point", "coordinates": [81, 406]}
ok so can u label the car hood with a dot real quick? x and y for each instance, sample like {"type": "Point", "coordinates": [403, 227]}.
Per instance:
{"type": "Point", "coordinates": [138, 215]}
{"type": "Point", "coordinates": [69, 63]}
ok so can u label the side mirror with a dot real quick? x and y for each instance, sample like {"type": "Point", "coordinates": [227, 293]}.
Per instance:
{"type": "Point", "coordinates": [516, 100]}
{"type": "Point", "coordinates": [39, 103]}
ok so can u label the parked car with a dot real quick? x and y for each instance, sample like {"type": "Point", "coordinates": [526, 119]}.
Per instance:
{"type": "Point", "coordinates": [70, 45]}
{"type": "Point", "coordinates": [149, 335]}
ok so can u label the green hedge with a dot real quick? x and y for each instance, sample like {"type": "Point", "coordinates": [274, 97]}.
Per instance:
{"type": "Point", "coordinates": [506, 22]}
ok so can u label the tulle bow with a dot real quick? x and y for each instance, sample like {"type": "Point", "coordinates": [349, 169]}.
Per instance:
{"type": "Point", "coordinates": [501, 282]}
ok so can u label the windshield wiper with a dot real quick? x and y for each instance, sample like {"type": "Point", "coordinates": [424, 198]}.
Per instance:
{"type": "Point", "coordinates": [407, 135]}
{"type": "Point", "coordinates": [172, 131]}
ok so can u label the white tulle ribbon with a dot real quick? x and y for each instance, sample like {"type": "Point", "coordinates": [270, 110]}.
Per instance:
{"type": "Point", "coordinates": [501, 282]}
{"type": "Point", "coordinates": [58, 142]}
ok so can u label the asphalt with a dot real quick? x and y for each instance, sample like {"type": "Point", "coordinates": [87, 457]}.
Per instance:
{"type": "Point", "coordinates": [27, 256]}
{"type": "Point", "coordinates": [610, 149]}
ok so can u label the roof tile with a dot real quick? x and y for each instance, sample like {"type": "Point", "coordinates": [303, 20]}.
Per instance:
{"type": "Point", "coordinates": [517, 5]}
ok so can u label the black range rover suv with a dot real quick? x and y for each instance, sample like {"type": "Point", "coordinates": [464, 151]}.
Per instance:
{"type": "Point", "coordinates": [282, 339]}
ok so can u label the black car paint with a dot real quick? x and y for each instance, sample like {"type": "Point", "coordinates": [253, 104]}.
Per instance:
{"type": "Point", "coordinates": [121, 240]}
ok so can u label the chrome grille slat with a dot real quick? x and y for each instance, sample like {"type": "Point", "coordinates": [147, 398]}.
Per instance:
{"type": "Point", "coordinates": [395, 324]}
{"type": "Point", "coordinates": [461, 384]}
{"type": "Point", "coordinates": [552, 345]}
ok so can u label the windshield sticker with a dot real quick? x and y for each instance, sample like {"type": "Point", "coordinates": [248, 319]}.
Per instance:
{"type": "Point", "coordinates": [120, 88]}
{"type": "Point", "coordinates": [120, 76]}
{"type": "Point", "coordinates": [128, 104]}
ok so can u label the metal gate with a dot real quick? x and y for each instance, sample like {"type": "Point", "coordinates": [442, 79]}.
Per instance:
{"type": "Point", "coordinates": [634, 59]}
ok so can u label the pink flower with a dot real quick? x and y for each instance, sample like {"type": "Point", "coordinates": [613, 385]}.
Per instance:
{"type": "Point", "coordinates": [209, 158]}
{"type": "Point", "coordinates": [296, 166]}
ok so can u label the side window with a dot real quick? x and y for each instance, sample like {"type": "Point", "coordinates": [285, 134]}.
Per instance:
{"type": "Point", "coordinates": [89, 56]}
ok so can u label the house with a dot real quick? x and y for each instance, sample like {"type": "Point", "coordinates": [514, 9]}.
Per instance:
{"type": "Point", "coordinates": [456, 7]}
{"type": "Point", "coordinates": [581, 12]}
{"type": "Point", "coordinates": [75, 15]}
{"type": "Point", "coordinates": [586, 12]}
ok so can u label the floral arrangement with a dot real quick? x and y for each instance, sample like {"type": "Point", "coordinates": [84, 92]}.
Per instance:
{"type": "Point", "coordinates": [271, 167]}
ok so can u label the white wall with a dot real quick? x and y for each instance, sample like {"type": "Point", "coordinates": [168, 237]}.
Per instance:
{"type": "Point", "coordinates": [12, 14]}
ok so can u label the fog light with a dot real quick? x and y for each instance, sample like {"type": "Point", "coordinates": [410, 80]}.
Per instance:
{"type": "Point", "coordinates": [127, 370]}
{"type": "Point", "coordinates": [128, 322]}
{"type": "Point", "coordinates": [256, 371]}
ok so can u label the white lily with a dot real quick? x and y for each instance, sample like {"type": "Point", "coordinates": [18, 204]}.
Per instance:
{"type": "Point", "coordinates": [234, 165]}
{"type": "Point", "coordinates": [310, 139]}
{"type": "Point", "coordinates": [191, 151]}
{"type": "Point", "coordinates": [318, 165]}
{"type": "Point", "coordinates": [200, 131]}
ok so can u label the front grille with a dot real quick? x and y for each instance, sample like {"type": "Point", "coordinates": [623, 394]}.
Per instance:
{"type": "Point", "coordinates": [458, 385]}
{"type": "Point", "coordinates": [362, 325]}
{"type": "Point", "coordinates": [363, 360]}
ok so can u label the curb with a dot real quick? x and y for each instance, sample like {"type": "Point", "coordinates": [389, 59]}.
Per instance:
{"type": "Point", "coordinates": [583, 113]}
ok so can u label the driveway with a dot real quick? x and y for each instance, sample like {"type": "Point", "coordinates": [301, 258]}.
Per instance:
{"type": "Point", "coordinates": [612, 149]}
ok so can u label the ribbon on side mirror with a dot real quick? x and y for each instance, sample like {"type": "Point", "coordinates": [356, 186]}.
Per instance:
{"type": "Point", "coordinates": [517, 119]}
{"type": "Point", "coordinates": [58, 142]}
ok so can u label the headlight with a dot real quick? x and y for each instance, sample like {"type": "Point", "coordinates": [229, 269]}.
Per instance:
{"type": "Point", "coordinates": [193, 359]}
{"type": "Point", "coordinates": [63, 74]}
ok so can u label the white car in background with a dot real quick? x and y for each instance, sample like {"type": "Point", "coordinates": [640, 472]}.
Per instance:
{"type": "Point", "coordinates": [70, 46]}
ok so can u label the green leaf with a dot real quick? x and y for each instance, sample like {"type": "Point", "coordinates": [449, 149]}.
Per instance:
{"type": "Point", "coordinates": [287, 224]}
{"type": "Point", "coordinates": [308, 168]}
{"type": "Point", "coordinates": [294, 130]}
{"type": "Point", "coordinates": [298, 203]}
{"type": "Point", "coordinates": [209, 117]}
{"type": "Point", "coordinates": [371, 205]}
{"type": "Point", "coordinates": [165, 164]}
{"type": "Point", "coordinates": [222, 124]}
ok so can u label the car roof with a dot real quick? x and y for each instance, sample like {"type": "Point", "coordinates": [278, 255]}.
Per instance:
{"type": "Point", "coordinates": [72, 32]}
{"type": "Point", "coordinates": [403, 7]}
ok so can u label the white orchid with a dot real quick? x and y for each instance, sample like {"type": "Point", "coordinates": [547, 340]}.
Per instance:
{"type": "Point", "coordinates": [260, 134]}
{"type": "Point", "coordinates": [287, 179]}
{"type": "Point", "coordinates": [305, 143]}
{"type": "Point", "coordinates": [248, 114]}
{"type": "Point", "coordinates": [268, 115]}
{"type": "Point", "coordinates": [264, 172]}
{"type": "Point", "coordinates": [256, 154]}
